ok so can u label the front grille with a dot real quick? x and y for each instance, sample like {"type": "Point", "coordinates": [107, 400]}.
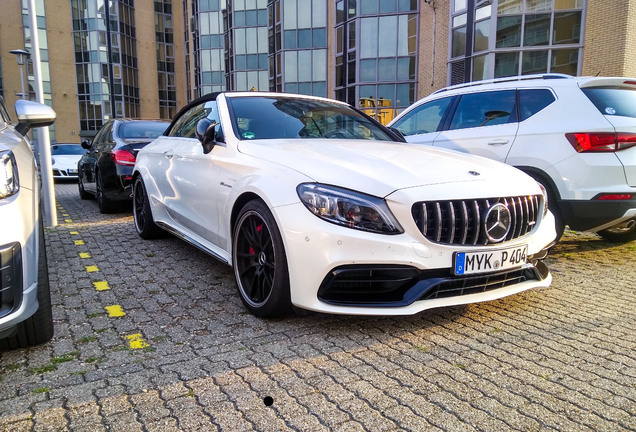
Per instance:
{"type": "Point", "coordinates": [10, 278]}
{"type": "Point", "coordinates": [460, 222]}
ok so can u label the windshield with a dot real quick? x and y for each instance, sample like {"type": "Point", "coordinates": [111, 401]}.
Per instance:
{"type": "Point", "coordinates": [268, 117]}
{"type": "Point", "coordinates": [67, 149]}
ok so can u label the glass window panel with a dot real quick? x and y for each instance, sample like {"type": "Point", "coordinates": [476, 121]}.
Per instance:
{"type": "Point", "coordinates": [565, 61]}
{"type": "Point", "coordinates": [368, 7]}
{"type": "Point", "coordinates": [387, 6]}
{"type": "Point", "coordinates": [460, 20]}
{"type": "Point", "coordinates": [262, 39]}
{"type": "Point", "coordinates": [388, 36]}
{"type": "Point", "coordinates": [304, 17]}
{"type": "Point", "coordinates": [250, 37]}
{"type": "Point", "coordinates": [474, 109]}
{"type": "Point", "coordinates": [239, 19]}
{"type": "Point", "coordinates": [537, 30]}
{"type": "Point", "coordinates": [250, 18]}
{"type": "Point", "coordinates": [368, 37]}
{"type": "Point", "coordinates": [239, 41]}
{"type": "Point", "coordinates": [459, 42]}
{"type": "Point", "coordinates": [250, 4]}
{"type": "Point", "coordinates": [340, 15]}
{"type": "Point", "coordinates": [320, 89]}
{"type": "Point", "coordinates": [483, 12]}
{"type": "Point", "coordinates": [403, 68]}
{"type": "Point", "coordinates": [506, 7]}
{"type": "Point", "coordinates": [508, 31]}
{"type": "Point", "coordinates": [252, 61]}
{"type": "Point", "coordinates": [204, 23]}
{"type": "Point", "coordinates": [367, 91]}
{"type": "Point", "coordinates": [567, 28]}
{"type": "Point", "coordinates": [291, 65]}
{"type": "Point", "coordinates": [291, 87]}
{"type": "Point", "coordinates": [368, 70]}
{"type": "Point", "coordinates": [240, 62]}
{"type": "Point", "coordinates": [538, 5]}
{"type": "Point", "coordinates": [482, 33]}
{"type": "Point", "coordinates": [506, 64]}
{"type": "Point", "coordinates": [319, 37]}
{"type": "Point", "coordinates": [479, 68]}
{"type": "Point", "coordinates": [459, 5]}
{"type": "Point", "coordinates": [386, 91]}
{"type": "Point", "coordinates": [386, 69]}
{"type": "Point", "coordinates": [290, 39]}
{"type": "Point", "coordinates": [319, 13]}
{"type": "Point", "coordinates": [319, 65]}
{"type": "Point", "coordinates": [403, 95]}
{"type": "Point", "coordinates": [568, 4]}
{"type": "Point", "coordinates": [304, 38]}
{"type": "Point", "coordinates": [289, 14]}
{"type": "Point", "coordinates": [304, 88]}
{"type": "Point", "coordinates": [403, 35]}
{"type": "Point", "coordinates": [351, 27]}
{"type": "Point", "coordinates": [262, 17]}
{"type": "Point", "coordinates": [413, 34]}
{"type": "Point", "coordinates": [531, 101]}
{"type": "Point", "coordinates": [304, 65]}
{"type": "Point", "coordinates": [423, 119]}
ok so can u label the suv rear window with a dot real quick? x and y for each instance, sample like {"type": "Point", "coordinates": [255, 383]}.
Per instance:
{"type": "Point", "coordinates": [613, 100]}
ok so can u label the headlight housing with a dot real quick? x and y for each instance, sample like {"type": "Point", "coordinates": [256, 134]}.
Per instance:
{"type": "Point", "coordinates": [348, 208]}
{"type": "Point", "coordinates": [545, 198]}
{"type": "Point", "coordinates": [9, 182]}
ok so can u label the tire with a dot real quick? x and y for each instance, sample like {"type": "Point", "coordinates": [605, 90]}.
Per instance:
{"type": "Point", "coordinates": [82, 192]}
{"type": "Point", "coordinates": [260, 263]}
{"type": "Point", "coordinates": [38, 328]}
{"type": "Point", "coordinates": [142, 213]}
{"type": "Point", "coordinates": [105, 205]}
{"type": "Point", "coordinates": [621, 233]}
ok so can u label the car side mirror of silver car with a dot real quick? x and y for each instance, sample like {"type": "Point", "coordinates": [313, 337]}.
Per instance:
{"type": "Point", "coordinates": [206, 133]}
{"type": "Point", "coordinates": [32, 114]}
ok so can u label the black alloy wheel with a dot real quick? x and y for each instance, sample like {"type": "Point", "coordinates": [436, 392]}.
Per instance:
{"type": "Point", "coordinates": [142, 213]}
{"type": "Point", "coordinates": [82, 191]}
{"type": "Point", "coordinates": [259, 261]}
{"type": "Point", "coordinates": [105, 205]}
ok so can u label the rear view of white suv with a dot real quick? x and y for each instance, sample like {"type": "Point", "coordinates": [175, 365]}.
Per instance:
{"type": "Point", "coordinates": [576, 136]}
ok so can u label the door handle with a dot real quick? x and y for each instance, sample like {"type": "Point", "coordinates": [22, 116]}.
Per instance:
{"type": "Point", "coordinates": [502, 141]}
{"type": "Point", "coordinates": [168, 154]}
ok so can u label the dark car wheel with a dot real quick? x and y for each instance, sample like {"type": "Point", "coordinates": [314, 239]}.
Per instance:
{"type": "Point", "coordinates": [82, 192]}
{"type": "Point", "coordinates": [105, 205]}
{"type": "Point", "coordinates": [622, 233]}
{"type": "Point", "coordinates": [259, 261]}
{"type": "Point", "coordinates": [142, 214]}
{"type": "Point", "coordinates": [38, 328]}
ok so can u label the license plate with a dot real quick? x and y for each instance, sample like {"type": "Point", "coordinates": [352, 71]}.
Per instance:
{"type": "Point", "coordinates": [490, 261]}
{"type": "Point", "coordinates": [72, 171]}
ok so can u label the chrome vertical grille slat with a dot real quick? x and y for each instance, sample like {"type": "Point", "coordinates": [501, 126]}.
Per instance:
{"type": "Point", "coordinates": [459, 222]}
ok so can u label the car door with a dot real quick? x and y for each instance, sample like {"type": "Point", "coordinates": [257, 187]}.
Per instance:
{"type": "Point", "coordinates": [191, 176]}
{"type": "Point", "coordinates": [88, 163]}
{"type": "Point", "coordinates": [421, 124]}
{"type": "Point", "coordinates": [482, 123]}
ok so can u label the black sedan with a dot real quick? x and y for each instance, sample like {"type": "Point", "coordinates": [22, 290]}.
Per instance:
{"type": "Point", "coordinates": [105, 169]}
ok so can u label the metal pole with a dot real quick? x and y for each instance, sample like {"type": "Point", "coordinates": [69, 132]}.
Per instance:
{"type": "Point", "coordinates": [44, 144]}
{"type": "Point", "coordinates": [22, 79]}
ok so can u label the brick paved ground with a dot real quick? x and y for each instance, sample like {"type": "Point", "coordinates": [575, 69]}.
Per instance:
{"type": "Point", "coordinates": [186, 356]}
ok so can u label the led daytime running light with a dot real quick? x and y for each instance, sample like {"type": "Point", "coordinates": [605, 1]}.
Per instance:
{"type": "Point", "coordinates": [9, 182]}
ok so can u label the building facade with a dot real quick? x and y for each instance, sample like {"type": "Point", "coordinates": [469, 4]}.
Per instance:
{"type": "Point", "coordinates": [125, 58]}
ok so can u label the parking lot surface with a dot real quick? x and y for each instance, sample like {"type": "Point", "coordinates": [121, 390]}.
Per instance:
{"type": "Point", "coordinates": [152, 336]}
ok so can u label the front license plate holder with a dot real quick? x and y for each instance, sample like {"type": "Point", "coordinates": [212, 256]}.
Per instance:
{"type": "Point", "coordinates": [485, 261]}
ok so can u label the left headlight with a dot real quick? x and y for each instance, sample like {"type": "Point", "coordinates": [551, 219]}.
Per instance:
{"type": "Point", "coordinates": [9, 183]}
{"type": "Point", "coordinates": [544, 192]}
{"type": "Point", "coordinates": [348, 208]}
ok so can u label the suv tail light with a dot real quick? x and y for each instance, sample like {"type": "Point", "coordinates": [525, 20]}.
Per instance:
{"type": "Point", "coordinates": [123, 157]}
{"type": "Point", "coordinates": [601, 141]}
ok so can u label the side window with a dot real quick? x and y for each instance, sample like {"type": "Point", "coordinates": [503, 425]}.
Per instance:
{"type": "Point", "coordinates": [531, 101]}
{"type": "Point", "coordinates": [186, 125]}
{"type": "Point", "coordinates": [103, 134]}
{"type": "Point", "coordinates": [484, 109]}
{"type": "Point", "coordinates": [423, 119]}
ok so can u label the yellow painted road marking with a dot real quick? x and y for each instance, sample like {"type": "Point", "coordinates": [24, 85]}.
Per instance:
{"type": "Point", "coordinates": [68, 220]}
{"type": "Point", "coordinates": [73, 233]}
{"type": "Point", "coordinates": [84, 255]}
{"type": "Point", "coordinates": [136, 341]}
{"type": "Point", "coordinates": [79, 242]}
{"type": "Point", "coordinates": [92, 269]}
{"type": "Point", "coordinates": [101, 285]}
{"type": "Point", "coordinates": [115, 311]}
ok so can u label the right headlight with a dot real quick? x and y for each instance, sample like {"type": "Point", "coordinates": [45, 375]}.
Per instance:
{"type": "Point", "coordinates": [9, 183]}
{"type": "Point", "coordinates": [348, 208]}
{"type": "Point", "coordinates": [545, 198]}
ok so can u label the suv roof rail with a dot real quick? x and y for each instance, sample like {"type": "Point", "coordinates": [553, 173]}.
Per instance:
{"type": "Point", "coordinates": [506, 79]}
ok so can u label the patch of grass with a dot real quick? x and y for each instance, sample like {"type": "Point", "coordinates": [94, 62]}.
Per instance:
{"type": "Point", "coordinates": [86, 339]}
{"type": "Point", "coordinates": [13, 366]}
{"type": "Point", "coordinates": [150, 255]}
{"type": "Point", "coordinates": [65, 357]}
{"type": "Point", "coordinates": [43, 369]}
{"type": "Point", "coordinates": [567, 255]}
{"type": "Point", "coordinates": [95, 314]}
{"type": "Point", "coordinates": [42, 390]}
{"type": "Point", "coordinates": [159, 338]}
{"type": "Point", "coordinates": [101, 330]}
{"type": "Point", "coordinates": [421, 348]}
{"type": "Point", "coordinates": [189, 394]}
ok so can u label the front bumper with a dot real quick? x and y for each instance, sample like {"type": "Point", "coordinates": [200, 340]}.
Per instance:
{"type": "Point", "coordinates": [396, 274]}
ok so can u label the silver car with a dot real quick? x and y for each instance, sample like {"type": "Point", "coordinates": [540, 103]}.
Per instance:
{"type": "Point", "coordinates": [25, 309]}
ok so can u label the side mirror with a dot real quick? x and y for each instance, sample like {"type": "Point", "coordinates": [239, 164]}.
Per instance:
{"type": "Point", "coordinates": [399, 135]}
{"type": "Point", "coordinates": [206, 133]}
{"type": "Point", "coordinates": [86, 144]}
{"type": "Point", "coordinates": [32, 114]}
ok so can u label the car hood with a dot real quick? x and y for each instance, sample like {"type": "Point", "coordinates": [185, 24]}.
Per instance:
{"type": "Point", "coordinates": [378, 167]}
{"type": "Point", "coordinates": [66, 160]}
